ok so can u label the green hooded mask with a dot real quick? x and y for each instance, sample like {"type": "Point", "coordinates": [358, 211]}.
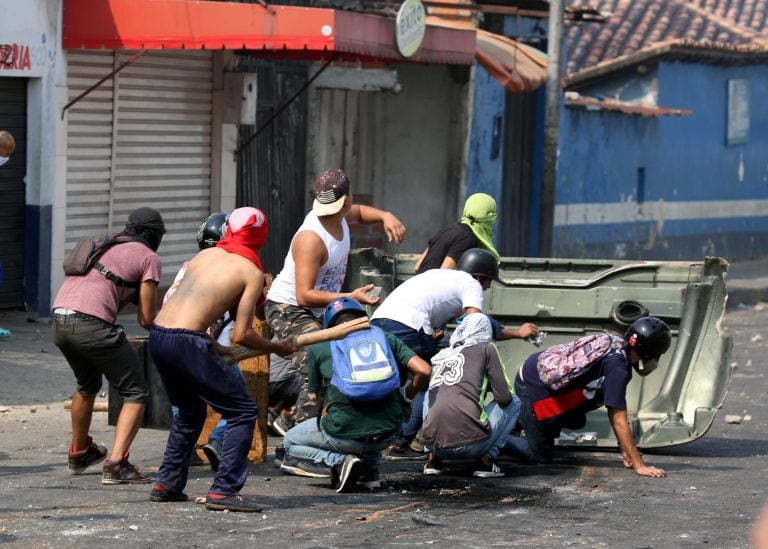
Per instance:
{"type": "Point", "coordinates": [480, 215]}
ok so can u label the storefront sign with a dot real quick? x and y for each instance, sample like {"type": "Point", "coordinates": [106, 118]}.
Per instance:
{"type": "Point", "coordinates": [15, 57]}
{"type": "Point", "coordinates": [410, 27]}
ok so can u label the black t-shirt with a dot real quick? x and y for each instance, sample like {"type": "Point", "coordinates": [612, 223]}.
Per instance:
{"type": "Point", "coordinates": [451, 242]}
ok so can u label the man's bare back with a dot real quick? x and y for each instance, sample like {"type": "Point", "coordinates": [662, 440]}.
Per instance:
{"type": "Point", "coordinates": [215, 282]}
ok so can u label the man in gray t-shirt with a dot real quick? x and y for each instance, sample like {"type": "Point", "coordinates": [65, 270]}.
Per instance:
{"type": "Point", "coordinates": [458, 423]}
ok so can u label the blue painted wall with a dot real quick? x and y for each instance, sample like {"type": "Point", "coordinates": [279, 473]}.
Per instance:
{"type": "Point", "coordinates": [484, 171]}
{"type": "Point", "coordinates": [37, 278]}
{"type": "Point", "coordinates": [485, 168]}
{"type": "Point", "coordinates": [686, 206]}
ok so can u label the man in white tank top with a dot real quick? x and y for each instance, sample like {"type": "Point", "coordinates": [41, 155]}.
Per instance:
{"type": "Point", "coordinates": [315, 265]}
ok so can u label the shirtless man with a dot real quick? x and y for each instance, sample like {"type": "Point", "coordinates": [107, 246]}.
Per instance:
{"type": "Point", "coordinates": [229, 278]}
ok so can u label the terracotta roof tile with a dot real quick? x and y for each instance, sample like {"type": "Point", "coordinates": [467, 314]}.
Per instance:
{"type": "Point", "coordinates": [637, 24]}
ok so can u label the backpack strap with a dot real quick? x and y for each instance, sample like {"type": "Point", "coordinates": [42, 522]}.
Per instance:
{"type": "Point", "coordinates": [112, 277]}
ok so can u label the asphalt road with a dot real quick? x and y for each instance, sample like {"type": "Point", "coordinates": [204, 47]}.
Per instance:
{"type": "Point", "coordinates": [716, 485]}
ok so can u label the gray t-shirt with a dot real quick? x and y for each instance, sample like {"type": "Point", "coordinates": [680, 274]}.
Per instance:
{"type": "Point", "coordinates": [457, 393]}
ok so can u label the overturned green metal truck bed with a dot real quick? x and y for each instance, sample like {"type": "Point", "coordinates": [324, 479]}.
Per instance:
{"type": "Point", "coordinates": [569, 298]}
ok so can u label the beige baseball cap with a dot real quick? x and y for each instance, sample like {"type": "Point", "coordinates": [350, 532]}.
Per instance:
{"type": "Point", "coordinates": [330, 189]}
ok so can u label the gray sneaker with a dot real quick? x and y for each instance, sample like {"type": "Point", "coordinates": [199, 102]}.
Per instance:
{"type": "Point", "coordinates": [122, 472]}
{"type": "Point", "coordinates": [280, 423]}
{"type": "Point", "coordinates": [304, 468]}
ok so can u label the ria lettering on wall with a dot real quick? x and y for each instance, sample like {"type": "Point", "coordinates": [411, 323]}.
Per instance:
{"type": "Point", "coordinates": [15, 57]}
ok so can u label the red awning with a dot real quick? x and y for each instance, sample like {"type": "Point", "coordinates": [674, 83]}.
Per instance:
{"type": "Point", "coordinates": [298, 32]}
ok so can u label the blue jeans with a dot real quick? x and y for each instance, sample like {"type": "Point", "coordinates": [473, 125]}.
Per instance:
{"type": "Point", "coordinates": [501, 421]}
{"type": "Point", "coordinates": [538, 445]}
{"type": "Point", "coordinates": [306, 441]}
{"type": "Point", "coordinates": [424, 346]}
{"type": "Point", "coordinates": [195, 376]}
{"type": "Point", "coordinates": [224, 339]}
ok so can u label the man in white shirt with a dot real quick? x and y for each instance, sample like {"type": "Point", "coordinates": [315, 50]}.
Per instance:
{"type": "Point", "coordinates": [419, 307]}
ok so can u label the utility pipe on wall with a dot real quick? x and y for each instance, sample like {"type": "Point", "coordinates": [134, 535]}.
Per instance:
{"type": "Point", "coordinates": [551, 127]}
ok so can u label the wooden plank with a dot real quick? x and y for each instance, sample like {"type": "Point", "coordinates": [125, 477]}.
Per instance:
{"type": "Point", "coordinates": [256, 373]}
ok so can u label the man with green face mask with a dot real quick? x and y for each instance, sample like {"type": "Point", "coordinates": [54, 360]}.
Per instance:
{"type": "Point", "coordinates": [474, 231]}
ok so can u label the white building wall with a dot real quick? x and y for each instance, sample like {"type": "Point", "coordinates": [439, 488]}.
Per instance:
{"type": "Point", "coordinates": [31, 28]}
{"type": "Point", "coordinates": [404, 147]}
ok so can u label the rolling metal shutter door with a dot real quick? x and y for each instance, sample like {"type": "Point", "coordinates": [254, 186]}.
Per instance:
{"type": "Point", "coordinates": [164, 118]}
{"type": "Point", "coordinates": [89, 145]}
{"type": "Point", "coordinates": [158, 114]}
{"type": "Point", "coordinates": [13, 119]}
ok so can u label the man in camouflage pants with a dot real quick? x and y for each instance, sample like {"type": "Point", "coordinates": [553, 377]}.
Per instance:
{"type": "Point", "coordinates": [285, 319]}
{"type": "Point", "coordinates": [314, 270]}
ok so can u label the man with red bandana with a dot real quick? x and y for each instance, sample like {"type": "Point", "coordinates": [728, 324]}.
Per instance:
{"type": "Point", "coordinates": [228, 277]}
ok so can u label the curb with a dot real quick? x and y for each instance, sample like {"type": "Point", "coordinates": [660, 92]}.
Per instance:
{"type": "Point", "coordinates": [745, 296]}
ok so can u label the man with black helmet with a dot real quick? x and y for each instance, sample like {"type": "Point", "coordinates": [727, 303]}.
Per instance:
{"type": "Point", "coordinates": [209, 233]}
{"type": "Point", "coordinates": [421, 305]}
{"type": "Point", "coordinates": [84, 329]}
{"type": "Point", "coordinates": [545, 411]}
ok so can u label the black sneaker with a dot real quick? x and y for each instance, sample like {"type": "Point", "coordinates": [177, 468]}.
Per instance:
{"type": "Point", "coordinates": [304, 468]}
{"type": "Point", "coordinates": [161, 495]}
{"type": "Point", "coordinates": [369, 479]}
{"type": "Point", "coordinates": [122, 472]}
{"type": "Point", "coordinates": [212, 451]}
{"type": "Point", "coordinates": [433, 466]}
{"type": "Point", "coordinates": [403, 453]}
{"type": "Point", "coordinates": [279, 456]}
{"type": "Point", "coordinates": [280, 422]}
{"type": "Point", "coordinates": [80, 461]}
{"type": "Point", "coordinates": [349, 472]}
{"type": "Point", "coordinates": [484, 470]}
{"type": "Point", "coordinates": [218, 502]}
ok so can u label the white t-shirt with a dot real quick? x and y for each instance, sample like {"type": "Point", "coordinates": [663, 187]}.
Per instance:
{"type": "Point", "coordinates": [431, 299]}
{"type": "Point", "coordinates": [330, 277]}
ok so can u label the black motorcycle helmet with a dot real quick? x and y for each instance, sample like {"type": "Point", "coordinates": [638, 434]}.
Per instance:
{"type": "Point", "coordinates": [479, 262]}
{"type": "Point", "coordinates": [650, 338]}
{"type": "Point", "coordinates": [211, 230]}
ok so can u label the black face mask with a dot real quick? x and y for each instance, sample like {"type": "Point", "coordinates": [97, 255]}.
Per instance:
{"type": "Point", "coordinates": [145, 225]}
{"type": "Point", "coordinates": [153, 239]}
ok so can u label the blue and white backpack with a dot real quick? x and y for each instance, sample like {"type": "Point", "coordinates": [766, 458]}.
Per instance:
{"type": "Point", "coordinates": [364, 367]}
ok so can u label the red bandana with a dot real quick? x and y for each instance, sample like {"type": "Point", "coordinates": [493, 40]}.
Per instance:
{"type": "Point", "coordinates": [246, 234]}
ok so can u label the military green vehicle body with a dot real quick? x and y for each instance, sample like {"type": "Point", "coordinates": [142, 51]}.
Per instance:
{"type": "Point", "coordinates": [568, 298]}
